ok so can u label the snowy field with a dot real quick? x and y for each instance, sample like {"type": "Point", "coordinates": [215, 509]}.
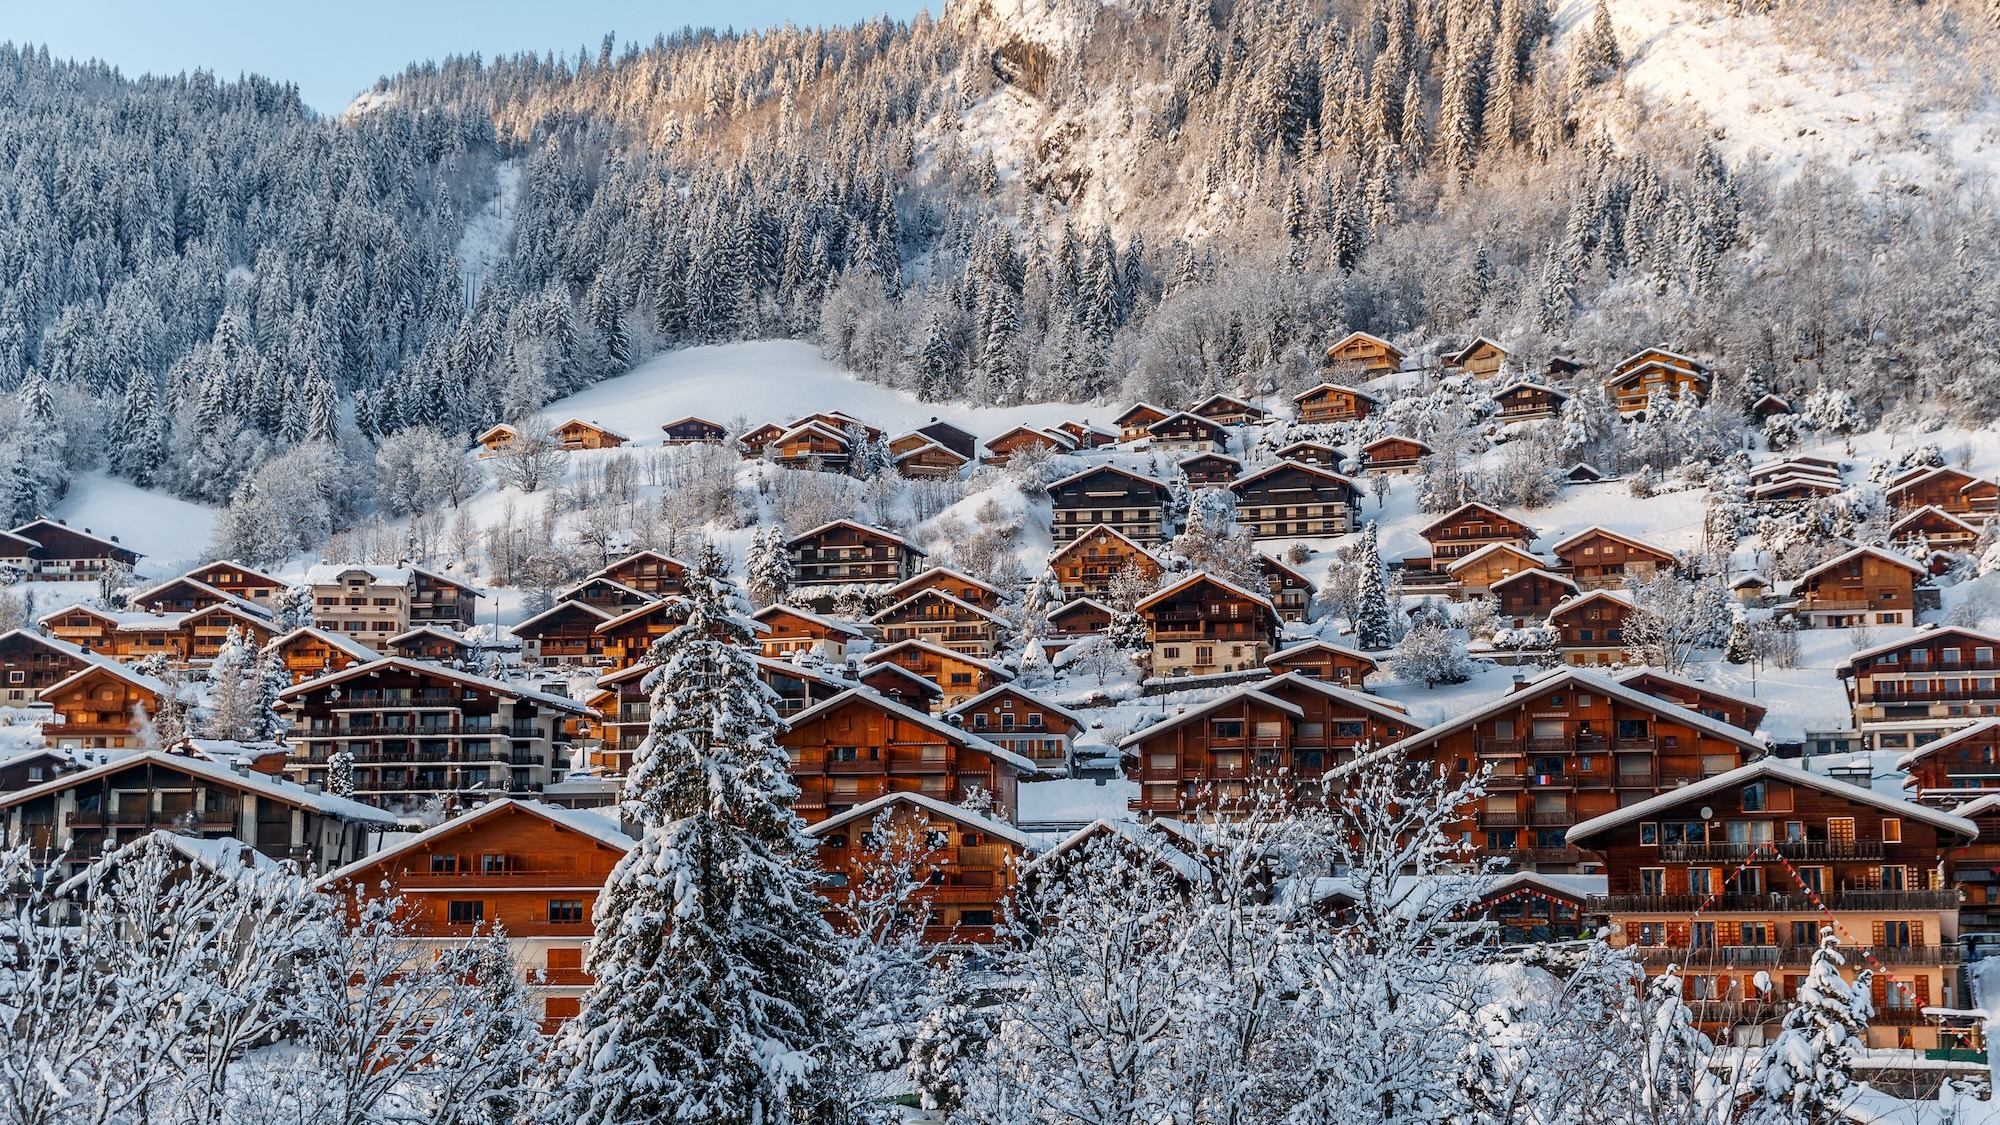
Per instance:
{"type": "Point", "coordinates": [173, 534]}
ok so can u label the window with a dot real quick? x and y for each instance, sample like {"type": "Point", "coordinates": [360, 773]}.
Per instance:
{"type": "Point", "coordinates": [975, 917]}
{"type": "Point", "coordinates": [1895, 878]}
{"type": "Point", "coordinates": [1503, 840]}
{"type": "Point", "coordinates": [461, 913]}
{"type": "Point", "coordinates": [1753, 799]}
{"type": "Point", "coordinates": [1652, 933]}
{"type": "Point", "coordinates": [561, 1007]}
{"type": "Point", "coordinates": [1892, 830]}
{"type": "Point", "coordinates": [1896, 935]}
{"type": "Point", "coordinates": [1699, 881]}
{"type": "Point", "coordinates": [495, 864]}
{"type": "Point", "coordinates": [444, 864]}
{"type": "Point", "coordinates": [566, 911]}
{"type": "Point", "coordinates": [1806, 934]}
{"type": "Point", "coordinates": [1756, 933]}
{"type": "Point", "coordinates": [1649, 834]}
{"type": "Point", "coordinates": [1652, 880]}
{"type": "Point", "coordinates": [1703, 936]}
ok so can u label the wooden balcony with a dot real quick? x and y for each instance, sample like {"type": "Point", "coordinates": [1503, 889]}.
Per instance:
{"type": "Point", "coordinates": [1829, 850]}
{"type": "Point", "coordinates": [1689, 904]}
{"type": "Point", "coordinates": [1731, 956]}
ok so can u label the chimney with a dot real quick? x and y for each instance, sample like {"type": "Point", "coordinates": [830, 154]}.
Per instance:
{"type": "Point", "coordinates": [313, 787]}
{"type": "Point", "coordinates": [1520, 681]}
{"type": "Point", "coordinates": [240, 767]}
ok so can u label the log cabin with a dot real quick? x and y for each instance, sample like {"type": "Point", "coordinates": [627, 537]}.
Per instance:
{"type": "Point", "coordinates": [1183, 432]}
{"type": "Point", "coordinates": [1395, 455]}
{"type": "Point", "coordinates": [1227, 411]}
{"type": "Point", "coordinates": [1290, 591]}
{"type": "Point", "coordinates": [966, 862]}
{"type": "Point", "coordinates": [1332, 402]}
{"type": "Point", "coordinates": [82, 812]}
{"type": "Point", "coordinates": [1476, 573]}
{"type": "Point", "coordinates": [958, 675]}
{"type": "Point", "coordinates": [1935, 530]}
{"type": "Point", "coordinates": [933, 615]}
{"type": "Point", "coordinates": [497, 439]}
{"type": "Point", "coordinates": [1952, 490]}
{"type": "Point", "coordinates": [1026, 439]}
{"type": "Point", "coordinates": [1203, 624]}
{"type": "Point", "coordinates": [608, 594]}
{"type": "Point", "coordinates": [1862, 587]}
{"type": "Point", "coordinates": [1707, 699]}
{"type": "Point", "coordinates": [1564, 748]}
{"type": "Point", "coordinates": [848, 553]}
{"type": "Point", "coordinates": [308, 652]}
{"type": "Point", "coordinates": [1358, 351]}
{"type": "Point", "coordinates": [813, 445]}
{"type": "Point", "coordinates": [1106, 495]}
{"type": "Point", "coordinates": [529, 870]}
{"type": "Point", "coordinates": [1632, 381]}
{"type": "Point", "coordinates": [1312, 453]}
{"type": "Point", "coordinates": [1528, 402]}
{"type": "Point", "coordinates": [576, 433]}
{"type": "Point", "coordinates": [1469, 527]}
{"type": "Point", "coordinates": [62, 553]}
{"type": "Point", "coordinates": [1074, 620]}
{"type": "Point", "coordinates": [1014, 719]}
{"type": "Point", "coordinates": [1907, 691]}
{"type": "Point", "coordinates": [240, 581]}
{"type": "Point", "coordinates": [1092, 561]}
{"type": "Point", "coordinates": [1599, 558]}
{"type": "Point", "coordinates": [421, 733]}
{"type": "Point", "coordinates": [790, 630]}
{"type": "Point", "coordinates": [1088, 436]}
{"type": "Point", "coordinates": [1737, 875]}
{"type": "Point", "coordinates": [1526, 597]}
{"type": "Point", "coordinates": [1324, 660]}
{"type": "Point", "coordinates": [628, 637]}
{"type": "Point", "coordinates": [1590, 628]}
{"type": "Point", "coordinates": [1275, 737]}
{"type": "Point", "coordinates": [31, 662]}
{"type": "Point", "coordinates": [1290, 500]}
{"type": "Point", "coordinates": [1133, 422]}
{"type": "Point", "coordinates": [757, 441]}
{"type": "Point", "coordinates": [651, 573]}
{"type": "Point", "coordinates": [962, 442]}
{"type": "Point", "coordinates": [1483, 358]}
{"type": "Point", "coordinates": [929, 461]}
{"type": "Point", "coordinates": [565, 633]}
{"type": "Point", "coordinates": [1210, 469]}
{"type": "Point", "coordinates": [694, 431]}
{"type": "Point", "coordinates": [860, 746]}
{"type": "Point", "coordinates": [957, 583]}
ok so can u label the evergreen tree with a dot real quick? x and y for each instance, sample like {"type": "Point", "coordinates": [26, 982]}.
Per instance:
{"type": "Point", "coordinates": [1809, 1068]}
{"type": "Point", "coordinates": [710, 945]}
{"type": "Point", "coordinates": [1374, 621]}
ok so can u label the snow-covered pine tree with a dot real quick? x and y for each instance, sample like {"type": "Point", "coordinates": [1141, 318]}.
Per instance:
{"type": "Point", "coordinates": [237, 707]}
{"type": "Point", "coordinates": [1374, 623]}
{"type": "Point", "coordinates": [710, 948]}
{"type": "Point", "coordinates": [1809, 1068]}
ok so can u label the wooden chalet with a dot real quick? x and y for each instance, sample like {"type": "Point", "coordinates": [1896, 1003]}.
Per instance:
{"type": "Point", "coordinates": [576, 433]}
{"type": "Point", "coordinates": [1526, 597]}
{"type": "Point", "coordinates": [1707, 699]}
{"type": "Point", "coordinates": [1074, 620]}
{"type": "Point", "coordinates": [1333, 402]}
{"type": "Point", "coordinates": [1768, 407]}
{"type": "Point", "coordinates": [1225, 410]}
{"type": "Point", "coordinates": [1471, 526]}
{"type": "Point", "coordinates": [63, 553]}
{"type": "Point", "coordinates": [1108, 496]}
{"type": "Point", "coordinates": [649, 572]}
{"type": "Point", "coordinates": [25, 769]}
{"type": "Point", "coordinates": [1090, 562]}
{"type": "Point", "coordinates": [1906, 691]}
{"type": "Point", "coordinates": [969, 862]}
{"type": "Point", "coordinates": [1632, 381]}
{"type": "Point", "coordinates": [860, 746]}
{"type": "Point", "coordinates": [962, 442]}
{"type": "Point", "coordinates": [1324, 660]}
{"type": "Point", "coordinates": [1358, 351]}
{"type": "Point", "coordinates": [1133, 422]}
{"type": "Point", "coordinates": [184, 595]}
{"type": "Point", "coordinates": [1475, 574]}
{"type": "Point", "coordinates": [1203, 624]}
{"type": "Point", "coordinates": [1798, 465]}
{"type": "Point", "coordinates": [624, 707]}
{"type": "Point", "coordinates": [960, 676]}
{"type": "Point", "coordinates": [1565, 748]}
{"type": "Point", "coordinates": [428, 642]}
{"type": "Point", "coordinates": [1864, 586]}
{"type": "Point", "coordinates": [928, 461]}
{"type": "Point", "coordinates": [1024, 438]}
{"type": "Point", "coordinates": [420, 733]}
{"type": "Point", "coordinates": [1088, 436]}
{"type": "Point", "coordinates": [204, 632]}
{"type": "Point", "coordinates": [564, 633]}
{"type": "Point", "coordinates": [239, 581]}
{"type": "Point", "coordinates": [1975, 868]}
{"type": "Point", "coordinates": [1290, 591]}
{"type": "Point", "coordinates": [848, 553]}
{"type": "Point", "coordinates": [308, 653]}
{"type": "Point", "coordinates": [957, 583]}
{"type": "Point", "coordinates": [1396, 456]}
{"type": "Point", "coordinates": [813, 445]}
{"type": "Point", "coordinates": [1949, 771]}
{"type": "Point", "coordinates": [1275, 737]}
{"type": "Point", "coordinates": [1935, 529]}
{"type": "Point", "coordinates": [1289, 500]}
{"type": "Point", "coordinates": [790, 630]}
{"type": "Point", "coordinates": [1950, 490]}
{"type": "Point", "coordinates": [1733, 878]}
{"type": "Point", "coordinates": [758, 441]}
{"type": "Point", "coordinates": [31, 662]}
{"type": "Point", "coordinates": [1599, 558]}
{"type": "Point", "coordinates": [844, 422]}
{"type": "Point", "coordinates": [1312, 453]}
{"type": "Point", "coordinates": [497, 439]}
{"type": "Point", "coordinates": [1187, 433]}
{"type": "Point", "coordinates": [1590, 628]}
{"type": "Point", "coordinates": [1210, 469]}
{"type": "Point", "coordinates": [627, 638]}
{"type": "Point", "coordinates": [1583, 473]}
{"type": "Point", "coordinates": [892, 681]}
{"type": "Point", "coordinates": [1793, 489]}
{"type": "Point", "coordinates": [941, 618]}
{"type": "Point", "coordinates": [694, 431]}
{"type": "Point", "coordinates": [1482, 358]}
{"type": "Point", "coordinates": [523, 868]}
{"type": "Point", "coordinates": [121, 635]}
{"type": "Point", "coordinates": [608, 594]}
{"type": "Point", "coordinates": [1014, 719]}
{"type": "Point", "coordinates": [1528, 402]}
{"type": "Point", "coordinates": [79, 813]}
{"type": "Point", "coordinates": [1529, 906]}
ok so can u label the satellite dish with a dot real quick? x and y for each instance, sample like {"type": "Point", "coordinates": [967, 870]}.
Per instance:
{"type": "Point", "coordinates": [1707, 813]}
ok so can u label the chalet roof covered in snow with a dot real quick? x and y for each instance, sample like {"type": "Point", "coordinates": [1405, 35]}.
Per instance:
{"type": "Point", "coordinates": [1775, 769]}
{"type": "Point", "coordinates": [931, 806]}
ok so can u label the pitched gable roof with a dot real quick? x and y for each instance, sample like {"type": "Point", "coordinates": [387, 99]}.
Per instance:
{"type": "Point", "coordinates": [1873, 552]}
{"type": "Point", "coordinates": [1103, 530]}
{"type": "Point", "coordinates": [1021, 693]}
{"type": "Point", "coordinates": [1597, 529]}
{"type": "Point", "coordinates": [929, 573]}
{"type": "Point", "coordinates": [1982, 727]}
{"type": "Point", "coordinates": [1470, 507]}
{"type": "Point", "coordinates": [929, 805]}
{"type": "Point", "coordinates": [861, 527]}
{"type": "Point", "coordinates": [930, 723]}
{"type": "Point", "coordinates": [1920, 637]}
{"type": "Point", "coordinates": [263, 785]}
{"type": "Point", "coordinates": [1205, 576]}
{"type": "Point", "coordinates": [599, 828]}
{"type": "Point", "coordinates": [418, 667]}
{"type": "Point", "coordinates": [1777, 770]}
{"type": "Point", "coordinates": [1298, 650]}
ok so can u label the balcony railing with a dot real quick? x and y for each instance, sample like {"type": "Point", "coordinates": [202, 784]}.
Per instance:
{"type": "Point", "coordinates": [1688, 904]}
{"type": "Point", "coordinates": [1725, 956]}
{"type": "Point", "coordinates": [1790, 849]}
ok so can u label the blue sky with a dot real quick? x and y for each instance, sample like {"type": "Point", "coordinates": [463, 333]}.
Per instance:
{"type": "Point", "coordinates": [333, 51]}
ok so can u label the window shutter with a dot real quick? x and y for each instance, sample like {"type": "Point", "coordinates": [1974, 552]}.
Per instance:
{"type": "Point", "coordinates": [1916, 933]}
{"type": "Point", "coordinates": [1879, 989]}
{"type": "Point", "coordinates": [1877, 943]}
{"type": "Point", "coordinates": [1922, 987]}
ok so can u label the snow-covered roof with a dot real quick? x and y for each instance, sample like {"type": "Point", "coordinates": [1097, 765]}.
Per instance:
{"type": "Point", "coordinates": [1490, 549]}
{"type": "Point", "coordinates": [637, 556]}
{"type": "Point", "coordinates": [933, 592]}
{"type": "Point", "coordinates": [637, 612]}
{"type": "Point", "coordinates": [1368, 337]}
{"type": "Point", "coordinates": [861, 527]}
{"type": "Point", "coordinates": [1101, 529]}
{"type": "Point", "coordinates": [1687, 362]}
{"type": "Point", "coordinates": [1227, 400]}
{"type": "Point", "coordinates": [932, 445]}
{"type": "Point", "coordinates": [1304, 467]}
{"type": "Point", "coordinates": [1645, 672]}
{"type": "Point", "coordinates": [249, 780]}
{"type": "Point", "coordinates": [329, 574]}
{"type": "Point", "coordinates": [1622, 597]}
{"type": "Point", "coordinates": [1779, 770]}
{"type": "Point", "coordinates": [26, 531]}
{"type": "Point", "coordinates": [1608, 533]}
{"type": "Point", "coordinates": [600, 578]}
{"type": "Point", "coordinates": [497, 430]}
{"type": "Point", "coordinates": [1205, 576]}
{"type": "Point", "coordinates": [345, 644]}
{"type": "Point", "coordinates": [1078, 603]}
{"type": "Point", "coordinates": [1387, 438]}
{"type": "Point", "coordinates": [416, 632]}
{"type": "Point", "coordinates": [1979, 806]}
{"type": "Point", "coordinates": [1250, 693]}
{"type": "Point", "coordinates": [404, 663]}
{"type": "Point", "coordinates": [932, 572]}
{"type": "Point", "coordinates": [1151, 839]}
{"type": "Point", "coordinates": [1922, 636]}
{"type": "Point", "coordinates": [1359, 700]}
{"type": "Point", "coordinates": [879, 655]}
{"type": "Point", "coordinates": [55, 644]}
{"type": "Point", "coordinates": [1190, 418]}
{"type": "Point", "coordinates": [588, 425]}
{"type": "Point", "coordinates": [1021, 693]}
{"type": "Point", "coordinates": [1874, 552]}
{"type": "Point", "coordinates": [1931, 512]}
{"type": "Point", "coordinates": [1095, 469]}
{"type": "Point", "coordinates": [830, 624]}
{"type": "Point", "coordinates": [600, 828]}
{"type": "Point", "coordinates": [1472, 506]}
{"type": "Point", "coordinates": [929, 722]}
{"type": "Point", "coordinates": [1532, 385]}
{"type": "Point", "coordinates": [112, 668]}
{"type": "Point", "coordinates": [222, 597]}
{"type": "Point", "coordinates": [1209, 455]}
{"type": "Point", "coordinates": [1140, 408]}
{"type": "Point", "coordinates": [931, 805]}
{"type": "Point", "coordinates": [1317, 645]}
{"type": "Point", "coordinates": [1982, 727]}
{"type": "Point", "coordinates": [1532, 571]}
{"type": "Point", "coordinates": [1355, 391]}
{"type": "Point", "coordinates": [1458, 357]}
{"type": "Point", "coordinates": [566, 607]}
{"type": "Point", "coordinates": [1267, 563]}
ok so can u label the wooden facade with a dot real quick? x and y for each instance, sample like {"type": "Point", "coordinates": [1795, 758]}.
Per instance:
{"type": "Point", "coordinates": [576, 433]}
{"type": "Point", "coordinates": [1228, 411]}
{"type": "Point", "coordinates": [1291, 592]}
{"type": "Point", "coordinates": [1358, 351]}
{"type": "Point", "coordinates": [1312, 453]}
{"type": "Point", "coordinates": [1527, 597]}
{"type": "Point", "coordinates": [1590, 628]}
{"type": "Point", "coordinates": [860, 746]}
{"type": "Point", "coordinates": [31, 663]}
{"type": "Point", "coordinates": [812, 445]}
{"type": "Point", "coordinates": [1951, 490]}
{"type": "Point", "coordinates": [564, 633]}
{"type": "Point", "coordinates": [628, 637]}
{"type": "Point", "coordinates": [105, 706]}
{"type": "Point", "coordinates": [1736, 876]}
{"type": "Point", "coordinates": [1324, 660]}
{"type": "Point", "coordinates": [959, 676]}
{"type": "Point", "coordinates": [1936, 529]}
{"type": "Point", "coordinates": [240, 581]}
{"type": "Point", "coordinates": [497, 439]}
{"type": "Point", "coordinates": [1072, 621]}
{"type": "Point", "coordinates": [694, 431]}
{"type": "Point", "coordinates": [790, 630]}
{"type": "Point", "coordinates": [1211, 469]}
{"type": "Point", "coordinates": [970, 862]}
{"type": "Point", "coordinates": [65, 553]}
{"type": "Point", "coordinates": [1089, 563]}
{"type": "Point", "coordinates": [1865, 586]}
{"type": "Point", "coordinates": [1202, 625]}
{"type": "Point", "coordinates": [1333, 402]}
{"type": "Point", "coordinates": [933, 615]}
{"type": "Point", "coordinates": [1187, 433]}
{"type": "Point", "coordinates": [962, 442]}
{"type": "Point", "coordinates": [1014, 719]}
{"type": "Point", "coordinates": [1476, 573]}
{"type": "Point", "coordinates": [1632, 381]}
{"type": "Point", "coordinates": [1024, 439]}
{"type": "Point", "coordinates": [1469, 527]}
{"type": "Point", "coordinates": [649, 572]}
{"type": "Point", "coordinates": [308, 653]}
{"type": "Point", "coordinates": [1598, 558]}
{"type": "Point", "coordinates": [1397, 456]}
{"type": "Point", "coordinates": [1936, 681]}
{"type": "Point", "coordinates": [957, 583]}
{"type": "Point", "coordinates": [1528, 402]}
{"type": "Point", "coordinates": [1290, 500]}
{"type": "Point", "coordinates": [1107, 496]}
{"type": "Point", "coordinates": [929, 461]}
{"type": "Point", "coordinates": [1702, 698]}
{"type": "Point", "coordinates": [847, 553]}
{"type": "Point", "coordinates": [1481, 359]}
{"type": "Point", "coordinates": [1956, 768]}
{"type": "Point", "coordinates": [1133, 422]}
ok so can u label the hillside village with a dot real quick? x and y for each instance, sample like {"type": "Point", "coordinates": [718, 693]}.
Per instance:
{"type": "Point", "coordinates": [1692, 737]}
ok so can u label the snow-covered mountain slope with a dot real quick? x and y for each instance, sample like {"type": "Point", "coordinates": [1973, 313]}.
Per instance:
{"type": "Point", "coordinates": [1886, 93]}
{"type": "Point", "coordinates": [171, 533]}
